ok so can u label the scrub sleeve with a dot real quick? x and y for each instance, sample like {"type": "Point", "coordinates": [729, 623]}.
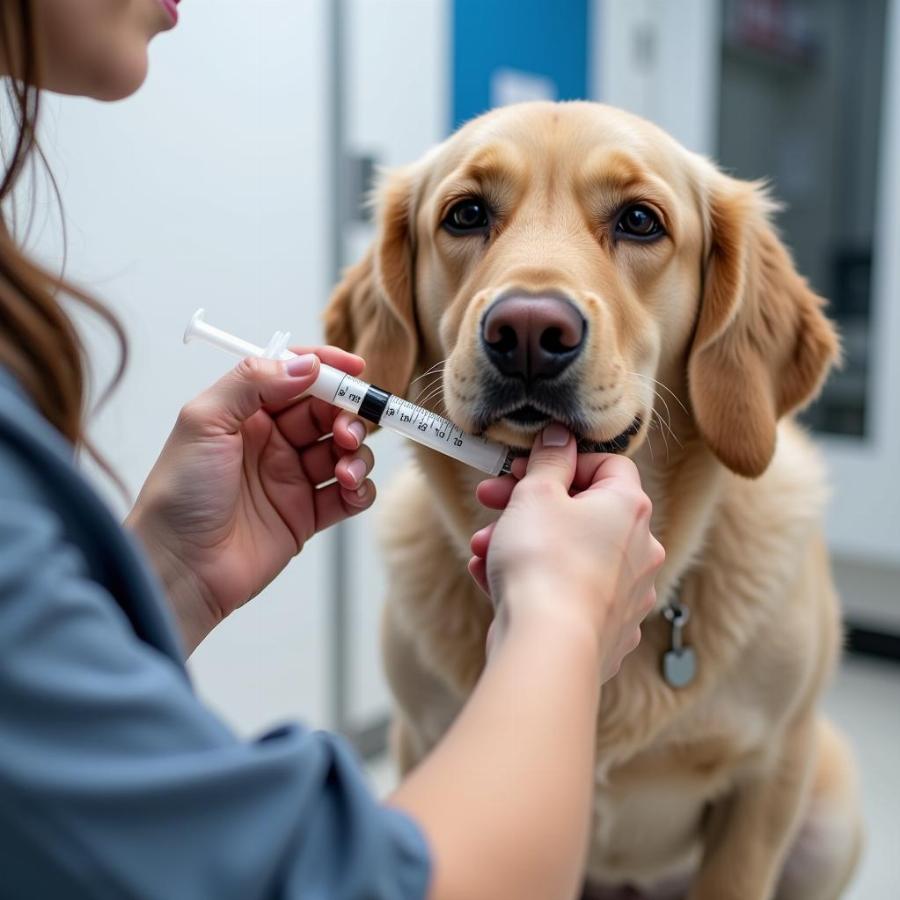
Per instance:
{"type": "Point", "coordinates": [115, 780]}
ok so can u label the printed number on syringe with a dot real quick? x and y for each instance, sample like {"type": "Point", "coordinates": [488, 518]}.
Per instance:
{"type": "Point", "coordinates": [353, 398]}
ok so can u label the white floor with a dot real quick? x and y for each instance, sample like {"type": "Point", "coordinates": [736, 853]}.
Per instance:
{"type": "Point", "coordinates": [865, 702]}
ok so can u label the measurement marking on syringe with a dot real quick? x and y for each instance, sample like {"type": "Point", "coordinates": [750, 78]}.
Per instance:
{"type": "Point", "coordinates": [423, 420]}
{"type": "Point", "coordinates": [341, 390]}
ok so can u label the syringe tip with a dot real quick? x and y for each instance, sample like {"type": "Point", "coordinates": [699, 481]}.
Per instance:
{"type": "Point", "coordinates": [193, 326]}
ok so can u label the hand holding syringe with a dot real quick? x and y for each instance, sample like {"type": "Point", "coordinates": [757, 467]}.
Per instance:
{"type": "Point", "coordinates": [369, 402]}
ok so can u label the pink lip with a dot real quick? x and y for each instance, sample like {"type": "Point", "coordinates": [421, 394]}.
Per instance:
{"type": "Point", "coordinates": [171, 7]}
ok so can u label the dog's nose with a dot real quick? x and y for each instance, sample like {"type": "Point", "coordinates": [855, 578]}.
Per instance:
{"type": "Point", "coordinates": [532, 336]}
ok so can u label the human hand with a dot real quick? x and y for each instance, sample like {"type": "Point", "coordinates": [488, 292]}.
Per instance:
{"type": "Point", "coordinates": [572, 545]}
{"type": "Point", "coordinates": [242, 484]}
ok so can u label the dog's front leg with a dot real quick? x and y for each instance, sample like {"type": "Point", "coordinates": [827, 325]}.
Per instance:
{"type": "Point", "coordinates": [750, 830]}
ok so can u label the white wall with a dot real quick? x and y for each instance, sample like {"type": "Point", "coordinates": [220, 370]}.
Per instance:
{"type": "Point", "coordinates": [208, 188]}
{"type": "Point", "coordinates": [660, 60]}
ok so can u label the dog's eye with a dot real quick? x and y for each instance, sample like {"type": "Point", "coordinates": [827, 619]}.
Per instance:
{"type": "Point", "coordinates": [468, 216]}
{"type": "Point", "coordinates": [639, 221]}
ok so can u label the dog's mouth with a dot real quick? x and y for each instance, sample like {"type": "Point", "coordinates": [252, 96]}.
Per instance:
{"type": "Point", "coordinates": [527, 419]}
{"type": "Point", "coordinates": [510, 413]}
{"type": "Point", "coordinates": [534, 419]}
{"type": "Point", "coordinates": [529, 416]}
{"type": "Point", "coordinates": [619, 444]}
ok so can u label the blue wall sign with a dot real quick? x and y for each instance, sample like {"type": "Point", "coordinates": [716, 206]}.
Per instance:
{"type": "Point", "coordinates": [505, 51]}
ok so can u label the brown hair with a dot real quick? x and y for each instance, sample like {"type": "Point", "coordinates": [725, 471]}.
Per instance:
{"type": "Point", "coordinates": [38, 342]}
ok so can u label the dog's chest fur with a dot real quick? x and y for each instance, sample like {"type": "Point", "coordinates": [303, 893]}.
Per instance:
{"type": "Point", "coordinates": [736, 552]}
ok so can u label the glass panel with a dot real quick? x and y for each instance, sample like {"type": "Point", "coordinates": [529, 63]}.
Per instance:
{"type": "Point", "coordinates": [800, 105]}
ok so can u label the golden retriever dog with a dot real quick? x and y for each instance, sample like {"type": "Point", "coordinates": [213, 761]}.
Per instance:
{"type": "Point", "coordinates": [572, 262]}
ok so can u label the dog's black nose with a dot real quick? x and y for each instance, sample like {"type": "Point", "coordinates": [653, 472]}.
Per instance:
{"type": "Point", "coordinates": [532, 337]}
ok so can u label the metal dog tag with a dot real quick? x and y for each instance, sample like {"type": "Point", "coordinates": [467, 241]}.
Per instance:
{"type": "Point", "coordinates": [679, 664]}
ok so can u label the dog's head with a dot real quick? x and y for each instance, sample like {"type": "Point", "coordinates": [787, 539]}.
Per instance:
{"type": "Point", "coordinates": [560, 262]}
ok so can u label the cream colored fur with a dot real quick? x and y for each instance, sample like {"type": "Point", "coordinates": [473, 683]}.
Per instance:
{"type": "Point", "coordinates": [735, 787]}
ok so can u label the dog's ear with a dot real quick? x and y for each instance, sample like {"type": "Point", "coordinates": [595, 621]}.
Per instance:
{"type": "Point", "coordinates": [372, 310]}
{"type": "Point", "coordinates": [762, 345]}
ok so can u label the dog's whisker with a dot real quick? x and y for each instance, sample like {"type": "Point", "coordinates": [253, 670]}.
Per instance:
{"type": "Point", "coordinates": [674, 436]}
{"type": "Point", "coordinates": [663, 386]}
{"type": "Point", "coordinates": [423, 393]}
{"type": "Point", "coordinates": [650, 442]}
{"type": "Point", "coordinates": [437, 381]}
{"type": "Point", "coordinates": [658, 396]}
{"type": "Point", "coordinates": [438, 366]}
{"type": "Point", "coordinates": [664, 426]}
{"type": "Point", "coordinates": [436, 391]}
{"type": "Point", "coordinates": [435, 384]}
{"type": "Point", "coordinates": [423, 401]}
{"type": "Point", "coordinates": [656, 419]}
{"type": "Point", "coordinates": [665, 422]}
{"type": "Point", "coordinates": [432, 377]}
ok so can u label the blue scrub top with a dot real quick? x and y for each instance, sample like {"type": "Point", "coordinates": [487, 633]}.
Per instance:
{"type": "Point", "coordinates": [115, 780]}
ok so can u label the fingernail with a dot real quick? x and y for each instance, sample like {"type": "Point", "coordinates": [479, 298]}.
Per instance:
{"type": "Point", "coordinates": [555, 436]}
{"type": "Point", "coordinates": [301, 365]}
{"type": "Point", "coordinates": [357, 470]}
{"type": "Point", "coordinates": [358, 430]}
{"type": "Point", "coordinates": [362, 492]}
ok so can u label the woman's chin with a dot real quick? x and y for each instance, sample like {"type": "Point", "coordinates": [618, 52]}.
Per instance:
{"type": "Point", "coordinates": [118, 80]}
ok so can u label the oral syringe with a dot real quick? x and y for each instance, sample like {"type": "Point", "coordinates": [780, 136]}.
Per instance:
{"type": "Point", "coordinates": [367, 401]}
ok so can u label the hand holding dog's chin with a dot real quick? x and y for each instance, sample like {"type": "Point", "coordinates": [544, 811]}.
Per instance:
{"type": "Point", "coordinates": [571, 556]}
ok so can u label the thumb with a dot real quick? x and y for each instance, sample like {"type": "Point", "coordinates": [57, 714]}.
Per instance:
{"type": "Point", "coordinates": [250, 385]}
{"type": "Point", "coordinates": [553, 456]}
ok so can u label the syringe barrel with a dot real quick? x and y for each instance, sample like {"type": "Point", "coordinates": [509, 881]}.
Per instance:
{"type": "Point", "coordinates": [434, 431]}
{"type": "Point", "coordinates": [355, 395]}
{"type": "Point", "coordinates": [421, 425]}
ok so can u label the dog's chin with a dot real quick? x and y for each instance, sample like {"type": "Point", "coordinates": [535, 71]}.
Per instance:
{"type": "Point", "coordinates": [519, 430]}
